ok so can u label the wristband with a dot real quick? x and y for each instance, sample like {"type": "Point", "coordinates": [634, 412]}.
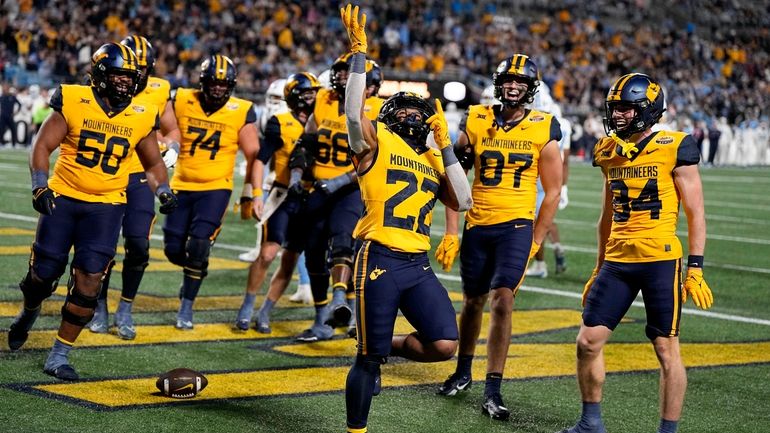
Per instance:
{"type": "Point", "coordinates": [39, 179]}
{"type": "Point", "coordinates": [694, 261]}
{"type": "Point", "coordinates": [256, 192]}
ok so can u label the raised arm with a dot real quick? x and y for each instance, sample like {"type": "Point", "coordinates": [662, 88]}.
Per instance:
{"type": "Point", "coordinates": [362, 136]}
{"type": "Point", "coordinates": [455, 192]}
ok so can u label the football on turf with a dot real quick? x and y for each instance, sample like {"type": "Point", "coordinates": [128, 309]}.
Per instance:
{"type": "Point", "coordinates": [181, 383]}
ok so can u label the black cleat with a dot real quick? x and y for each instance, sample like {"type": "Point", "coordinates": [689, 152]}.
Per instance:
{"type": "Point", "coordinates": [340, 316]}
{"type": "Point", "coordinates": [493, 406]}
{"type": "Point", "coordinates": [19, 331]}
{"type": "Point", "coordinates": [454, 384]}
{"type": "Point", "coordinates": [63, 372]}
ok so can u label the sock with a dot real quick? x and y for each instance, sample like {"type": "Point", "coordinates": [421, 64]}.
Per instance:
{"type": "Point", "coordinates": [264, 311]}
{"type": "Point", "coordinates": [185, 310]}
{"type": "Point", "coordinates": [247, 307]}
{"type": "Point", "coordinates": [338, 295]}
{"type": "Point", "coordinates": [124, 307]}
{"type": "Point", "coordinates": [667, 426]}
{"type": "Point", "coordinates": [358, 391]}
{"type": "Point", "coordinates": [464, 363]}
{"type": "Point", "coordinates": [492, 384]}
{"type": "Point", "coordinates": [321, 314]}
{"type": "Point", "coordinates": [190, 287]}
{"type": "Point", "coordinates": [58, 355]}
{"type": "Point", "coordinates": [558, 248]}
{"type": "Point", "coordinates": [590, 418]}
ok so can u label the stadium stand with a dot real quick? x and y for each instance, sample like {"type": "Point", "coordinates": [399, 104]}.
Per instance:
{"type": "Point", "coordinates": [712, 57]}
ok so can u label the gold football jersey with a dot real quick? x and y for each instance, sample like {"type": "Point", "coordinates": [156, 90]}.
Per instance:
{"type": "Point", "coordinates": [332, 157]}
{"type": "Point", "coordinates": [645, 201]}
{"type": "Point", "coordinates": [372, 107]}
{"type": "Point", "coordinates": [506, 163]}
{"type": "Point", "coordinates": [399, 190]}
{"type": "Point", "coordinates": [209, 142]}
{"type": "Point", "coordinates": [93, 162]}
{"type": "Point", "coordinates": [289, 129]}
{"type": "Point", "coordinates": [157, 93]}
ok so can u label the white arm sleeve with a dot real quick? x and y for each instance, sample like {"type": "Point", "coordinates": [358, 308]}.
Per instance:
{"type": "Point", "coordinates": [354, 93]}
{"type": "Point", "coordinates": [457, 179]}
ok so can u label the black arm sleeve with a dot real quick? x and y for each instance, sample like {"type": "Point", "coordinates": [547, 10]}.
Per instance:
{"type": "Point", "coordinates": [271, 140]}
{"type": "Point", "coordinates": [464, 121]}
{"type": "Point", "coordinates": [555, 130]}
{"type": "Point", "coordinates": [56, 100]}
{"type": "Point", "coordinates": [688, 153]}
{"type": "Point", "coordinates": [251, 115]}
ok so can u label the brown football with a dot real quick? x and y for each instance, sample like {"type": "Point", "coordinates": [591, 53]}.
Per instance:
{"type": "Point", "coordinates": [181, 383]}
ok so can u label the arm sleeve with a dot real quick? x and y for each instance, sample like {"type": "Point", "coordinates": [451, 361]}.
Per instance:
{"type": "Point", "coordinates": [354, 92]}
{"type": "Point", "coordinates": [272, 140]}
{"type": "Point", "coordinates": [687, 153]}
{"type": "Point", "coordinates": [464, 122]}
{"type": "Point", "coordinates": [56, 100]}
{"type": "Point", "coordinates": [251, 115]}
{"type": "Point", "coordinates": [555, 133]}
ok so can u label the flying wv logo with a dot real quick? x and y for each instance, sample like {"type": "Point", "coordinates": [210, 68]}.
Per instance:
{"type": "Point", "coordinates": [376, 272]}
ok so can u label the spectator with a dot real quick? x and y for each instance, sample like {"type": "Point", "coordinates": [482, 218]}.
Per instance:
{"type": "Point", "coordinates": [9, 106]}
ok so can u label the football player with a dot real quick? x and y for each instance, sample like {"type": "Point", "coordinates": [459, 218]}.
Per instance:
{"type": "Point", "coordinates": [509, 146]}
{"type": "Point", "coordinates": [97, 128]}
{"type": "Point", "coordinates": [281, 228]}
{"type": "Point", "coordinates": [401, 178]}
{"type": "Point", "coordinates": [646, 176]}
{"type": "Point", "coordinates": [214, 126]}
{"type": "Point", "coordinates": [140, 207]}
{"type": "Point", "coordinates": [333, 206]}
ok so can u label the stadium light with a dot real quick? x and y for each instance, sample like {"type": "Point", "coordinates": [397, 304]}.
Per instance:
{"type": "Point", "coordinates": [454, 91]}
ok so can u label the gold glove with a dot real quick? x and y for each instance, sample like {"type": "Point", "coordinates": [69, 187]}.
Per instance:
{"type": "Point", "coordinates": [696, 286]}
{"type": "Point", "coordinates": [439, 126]}
{"type": "Point", "coordinates": [447, 251]}
{"type": "Point", "coordinates": [355, 28]}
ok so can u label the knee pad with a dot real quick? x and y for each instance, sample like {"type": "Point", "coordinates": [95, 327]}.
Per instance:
{"type": "Point", "coordinates": [36, 290]}
{"type": "Point", "coordinates": [137, 254]}
{"type": "Point", "coordinates": [197, 260]}
{"type": "Point", "coordinates": [173, 248]}
{"type": "Point", "coordinates": [76, 297]}
{"type": "Point", "coordinates": [47, 266]}
{"type": "Point", "coordinates": [342, 250]}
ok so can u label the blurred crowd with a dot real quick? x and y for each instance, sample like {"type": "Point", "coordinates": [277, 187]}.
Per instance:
{"type": "Point", "coordinates": [713, 57]}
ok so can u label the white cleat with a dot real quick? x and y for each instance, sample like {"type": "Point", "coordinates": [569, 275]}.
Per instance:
{"type": "Point", "coordinates": [537, 269]}
{"type": "Point", "coordinates": [249, 256]}
{"type": "Point", "coordinates": [303, 295]}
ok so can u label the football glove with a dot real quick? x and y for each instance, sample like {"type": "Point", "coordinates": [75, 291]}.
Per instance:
{"type": "Point", "coordinates": [355, 27]}
{"type": "Point", "coordinates": [563, 198]}
{"type": "Point", "coordinates": [447, 250]}
{"type": "Point", "coordinates": [171, 154]}
{"type": "Point", "coordinates": [43, 200]}
{"type": "Point", "coordinates": [696, 286]}
{"type": "Point", "coordinates": [533, 249]}
{"type": "Point", "coordinates": [330, 186]}
{"type": "Point", "coordinates": [588, 285]}
{"type": "Point", "coordinates": [168, 201]}
{"type": "Point", "coordinates": [439, 126]}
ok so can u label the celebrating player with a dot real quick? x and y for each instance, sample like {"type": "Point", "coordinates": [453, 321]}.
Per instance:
{"type": "Point", "coordinates": [646, 175]}
{"type": "Point", "coordinates": [97, 129]}
{"type": "Point", "coordinates": [214, 126]}
{"type": "Point", "coordinates": [281, 227]}
{"type": "Point", "coordinates": [510, 146]}
{"type": "Point", "coordinates": [401, 178]}
{"type": "Point", "coordinates": [140, 207]}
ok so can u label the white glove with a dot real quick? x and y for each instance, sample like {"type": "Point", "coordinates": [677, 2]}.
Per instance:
{"type": "Point", "coordinates": [563, 198]}
{"type": "Point", "coordinates": [171, 154]}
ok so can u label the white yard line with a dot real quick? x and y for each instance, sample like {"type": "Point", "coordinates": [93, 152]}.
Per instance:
{"type": "Point", "coordinates": [526, 288]}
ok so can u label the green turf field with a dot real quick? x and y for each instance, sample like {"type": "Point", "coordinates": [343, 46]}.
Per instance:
{"type": "Point", "coordinates": [272, 384]}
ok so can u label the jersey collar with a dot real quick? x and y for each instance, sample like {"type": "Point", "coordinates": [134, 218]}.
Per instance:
{"type": "Point", "coordinates": [105, 107]}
